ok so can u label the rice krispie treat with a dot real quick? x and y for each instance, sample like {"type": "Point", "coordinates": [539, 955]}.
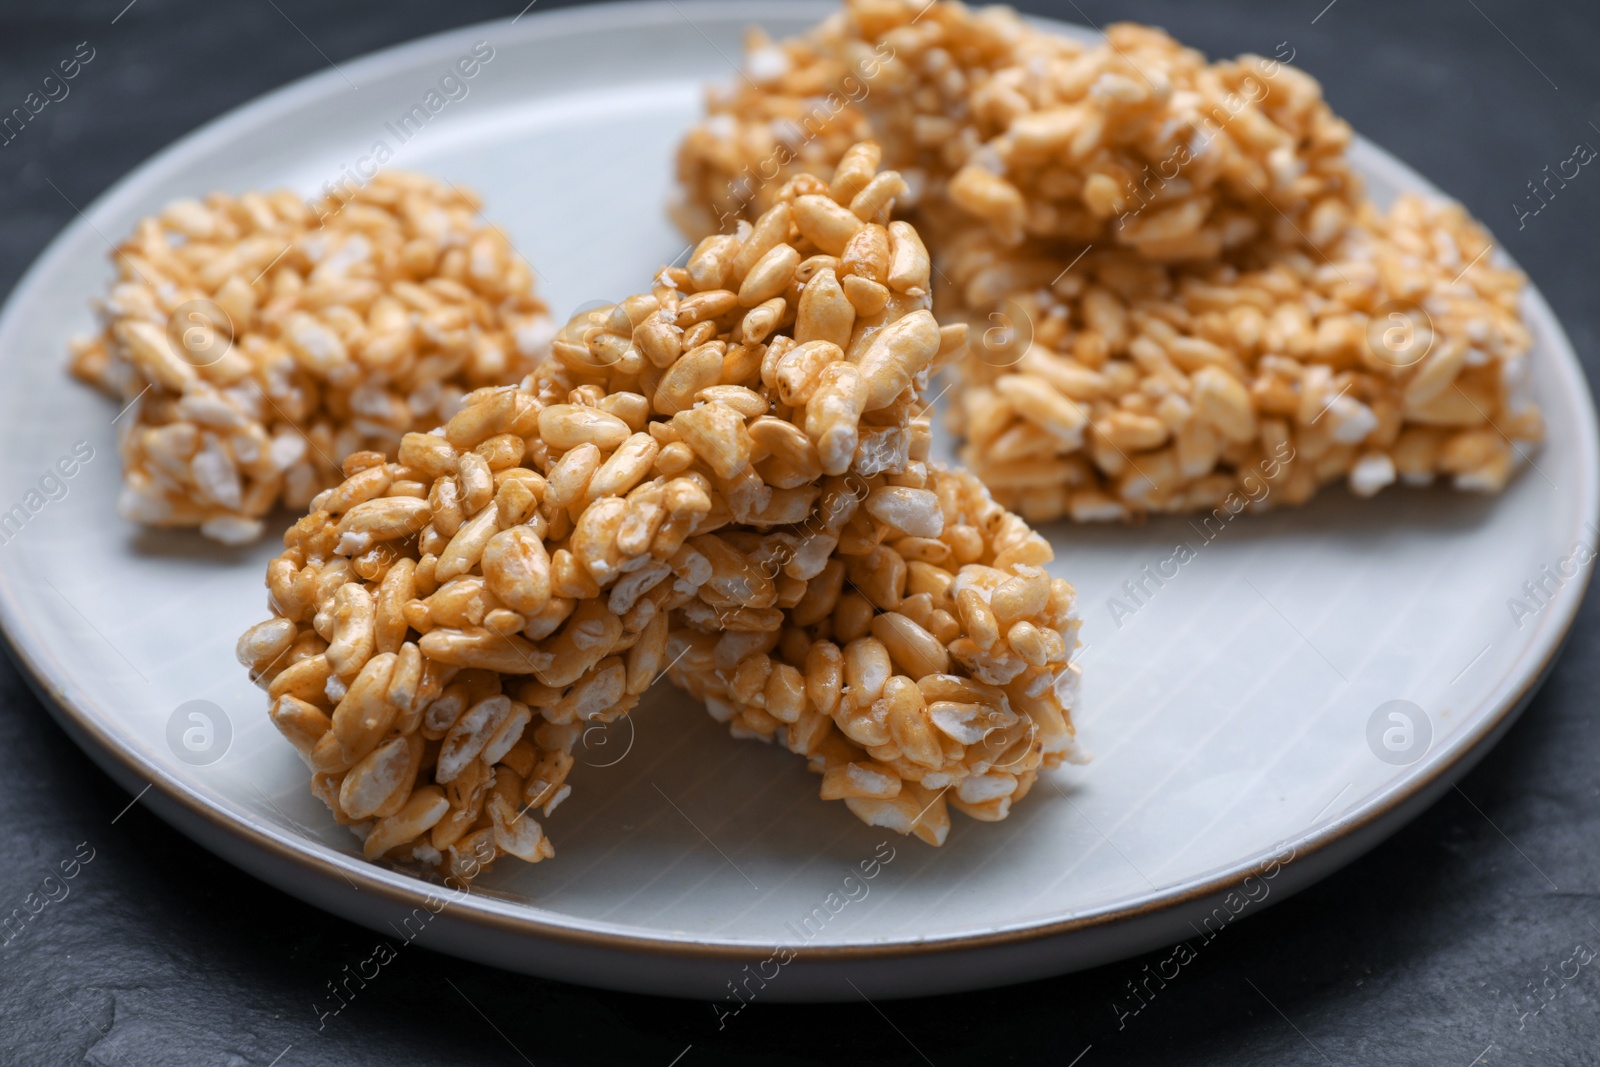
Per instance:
{"type": "Point", "coordinates": [446, 622]}
{"type": "Point", "coordinates": [259, 340]}
{"type": "Point", "coordinates": [1132, 140]}
{"type": "Point", "coordinates": [928, 662]}
{"type": "Point", "coordinates": [1399, 355]}
{"type": "Point", "coordinates": [1184, 301]}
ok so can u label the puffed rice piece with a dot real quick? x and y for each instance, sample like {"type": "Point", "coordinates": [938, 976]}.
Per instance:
{"type": "Point", "coordinates": [928, 665]}
{"type": "Point", "coordinates": [457, 613]}
{"type": "Point", "coordinates": [1134, 387]}
{"type": "Point", "coordinates": [483, 598]}
{"type": "Point", "coordinates": [258, 340]}
{"type": "Point", "coordinates": [1133, 140]}
{"type": "Point", "coordinates": [1186, 303]}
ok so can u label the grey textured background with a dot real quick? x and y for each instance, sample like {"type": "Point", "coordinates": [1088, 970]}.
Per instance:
{"type": "Point", "coordinates": [1434, 949]}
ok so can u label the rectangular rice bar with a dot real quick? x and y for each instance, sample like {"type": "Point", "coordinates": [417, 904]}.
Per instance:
{"type": "Point", "coordinates": [705, 462]}
{"type": "Point", "coordinates": [1180, 296]}
{"type": "Point", "coordinates": [260, 339]}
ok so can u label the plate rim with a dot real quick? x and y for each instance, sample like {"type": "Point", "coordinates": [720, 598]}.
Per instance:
{"type": "Point", "coordinates": [1492, 714]}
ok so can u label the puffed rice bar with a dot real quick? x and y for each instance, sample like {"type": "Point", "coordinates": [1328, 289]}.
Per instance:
{"type": "Point", "coordinates": [677, 462]}
{"type": "Point", "coordinates": [1133, 140]}
{"type": "Point", "coordinates": [1194, 355]}
{"type": "Point", "coordinates": [261, 339]}
{"type": "Point", "coordinates": [929, 662]}
{"type": "Point", "coordinates": [1130, 387]}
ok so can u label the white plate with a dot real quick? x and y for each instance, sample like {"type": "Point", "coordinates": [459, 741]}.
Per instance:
{"type": "Point", "coordinates": [1229, 716]}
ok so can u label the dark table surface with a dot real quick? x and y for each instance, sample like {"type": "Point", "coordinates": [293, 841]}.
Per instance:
{"type": "Point", "coordinates": [1452, 944]}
